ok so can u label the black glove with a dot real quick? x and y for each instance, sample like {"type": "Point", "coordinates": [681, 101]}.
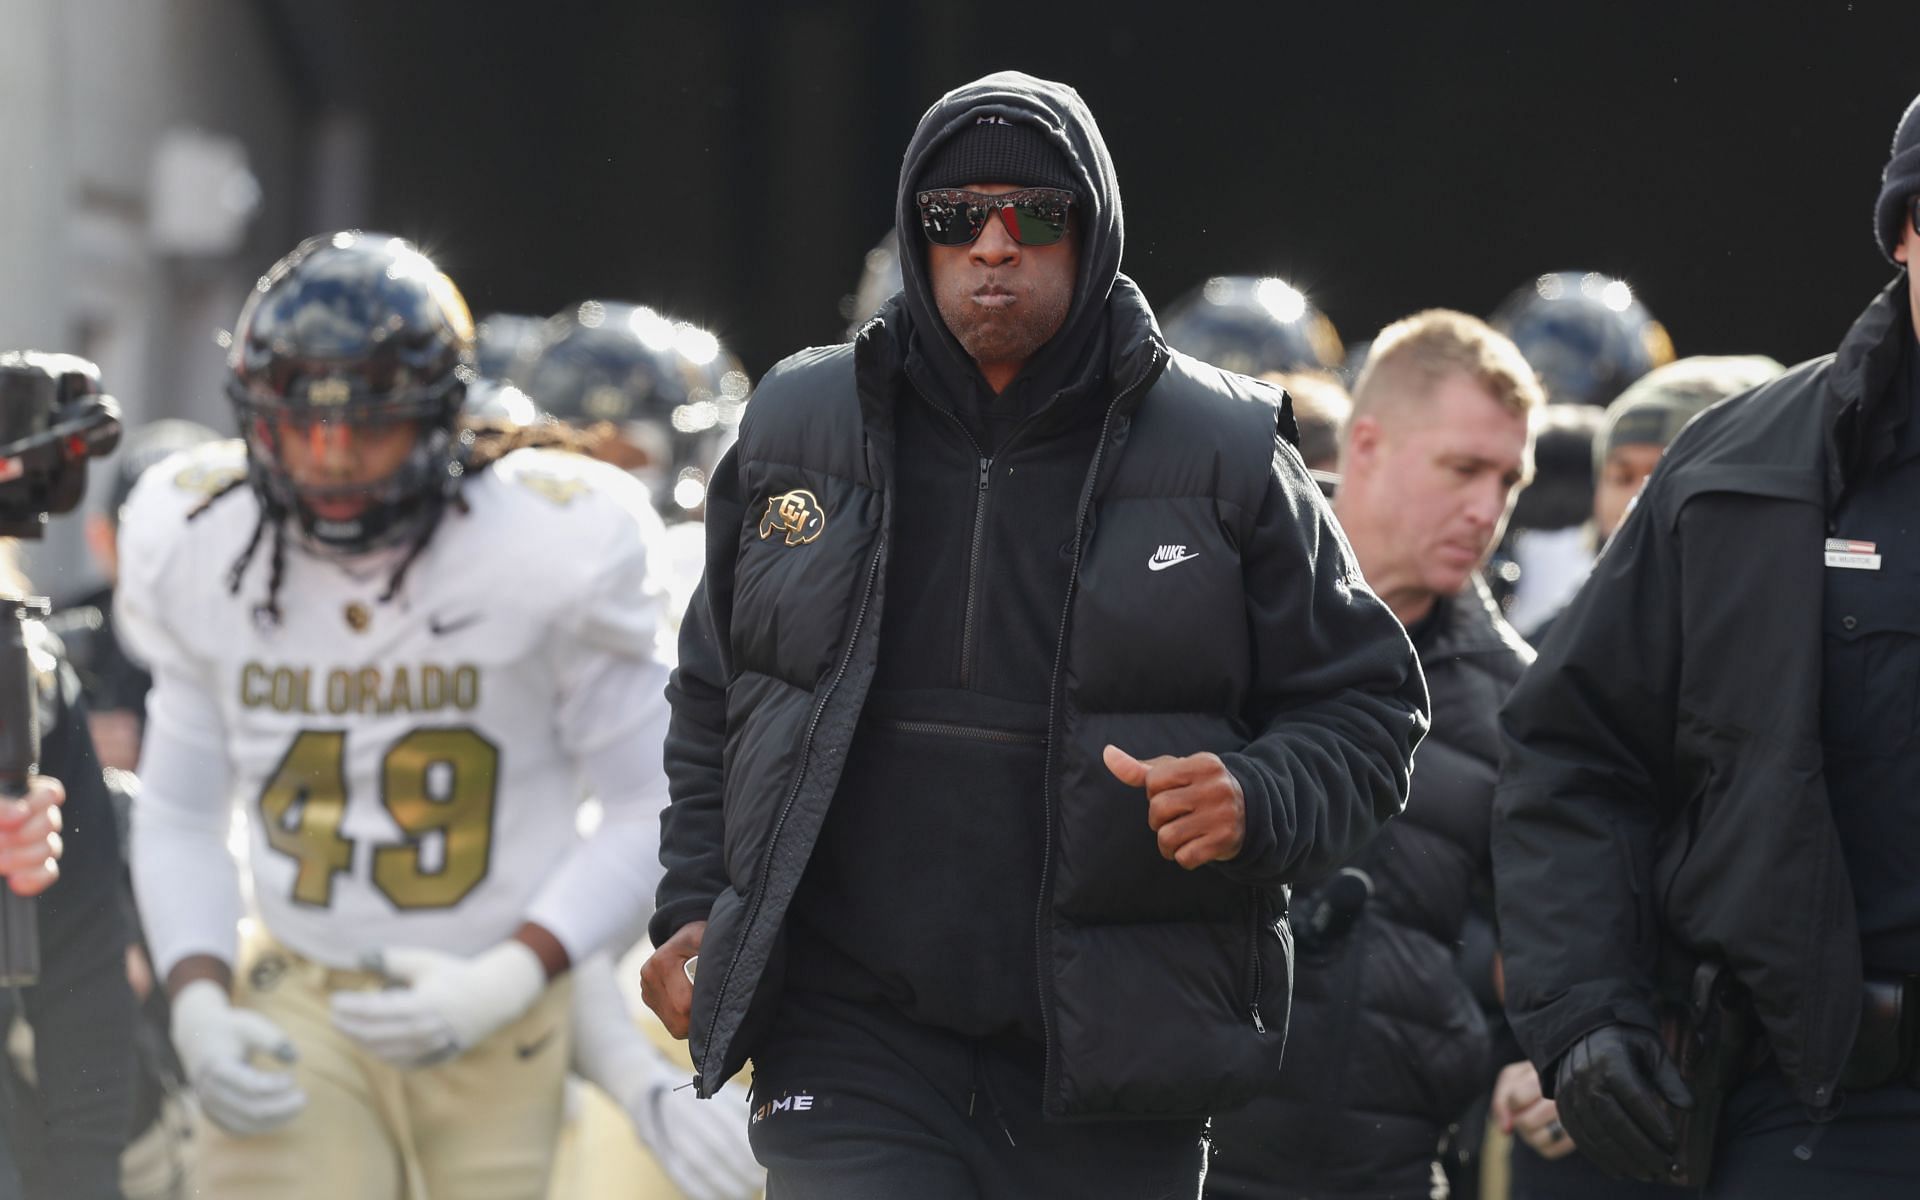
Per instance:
{"type": "Point", "coordinates": [1616, 1089]}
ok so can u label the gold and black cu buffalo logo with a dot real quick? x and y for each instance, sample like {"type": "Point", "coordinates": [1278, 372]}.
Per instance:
{"type": "Point", "coordinates": [796, 514]}
{"type": "Point", "coordinates": [359, 616]}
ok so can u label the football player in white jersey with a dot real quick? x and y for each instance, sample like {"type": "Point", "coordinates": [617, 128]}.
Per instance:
{"type": "Point", "coordinates": [404, 652]}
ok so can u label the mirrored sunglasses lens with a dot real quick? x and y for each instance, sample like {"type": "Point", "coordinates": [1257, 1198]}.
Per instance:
{"type": "Point", "coordinates": [950, 224]}
{"type": "Point", "coordinates": [1033, 225]}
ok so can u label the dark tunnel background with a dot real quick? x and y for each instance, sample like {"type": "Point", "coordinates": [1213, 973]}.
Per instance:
{"type": "Point", "coordinates": [731, 162]}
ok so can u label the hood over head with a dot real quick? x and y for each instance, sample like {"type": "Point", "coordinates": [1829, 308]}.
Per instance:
{"type": "Point", "coordinates": [1063, 119]}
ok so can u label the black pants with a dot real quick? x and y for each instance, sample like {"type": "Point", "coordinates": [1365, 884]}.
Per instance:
{"type": "Point", "coordinates": [855, 1102]}
{"type": "Point", "coordinates": [1771, 1150]}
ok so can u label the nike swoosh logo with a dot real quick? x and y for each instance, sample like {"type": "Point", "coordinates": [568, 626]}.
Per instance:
{"type": "Point", "coordinates": [439, 628]}
{"type": "Point", "coordinates": [1161, 564]}
{"type": "Point", "coordinates": [536, 1046]}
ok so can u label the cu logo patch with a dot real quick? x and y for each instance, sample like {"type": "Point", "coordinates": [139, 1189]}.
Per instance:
{"type": "Point", "coordinates": [797, 514]}
{"type": "Point", "coordinates": [801, 1103]}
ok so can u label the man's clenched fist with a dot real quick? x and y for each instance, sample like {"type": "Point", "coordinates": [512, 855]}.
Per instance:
{"type": "Point", "coordinates": [1194, 804]}
{"type": "Point", "coordinates": [666, 984]}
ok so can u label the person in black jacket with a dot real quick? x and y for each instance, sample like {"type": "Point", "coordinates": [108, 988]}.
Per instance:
{"type": "Point", "coordinates": [1028, 668]}
{"type": "Point", "coordinates": [1713, 766]}
{"type": "Point", "coordinates": [66, 1123]}
{"type": "Point", "coordinates": [1388, 1042]}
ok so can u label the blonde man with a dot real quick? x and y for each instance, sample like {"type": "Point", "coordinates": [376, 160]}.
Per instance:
{"type": "Point", "coordinates": [1437, 446]}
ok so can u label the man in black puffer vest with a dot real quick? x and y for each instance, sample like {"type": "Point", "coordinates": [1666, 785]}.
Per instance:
{"type": "Point", "coordinates": [1028, 668]}
{"type": "Point", "coordinates": [1389, 1045]}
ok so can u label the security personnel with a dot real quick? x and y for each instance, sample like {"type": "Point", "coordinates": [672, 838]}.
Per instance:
{"type": "Point", "coordinates": [1709, 791]}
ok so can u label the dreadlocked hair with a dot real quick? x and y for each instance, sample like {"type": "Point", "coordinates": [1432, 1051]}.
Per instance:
{"type": "Point", "coordinates": [492, 440]}
{"type": "Point", "coordinates": [269, 516]}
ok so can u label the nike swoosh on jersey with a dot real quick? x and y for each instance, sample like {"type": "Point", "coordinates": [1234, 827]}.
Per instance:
{"type": "Point", "coordinates": [1162, 559]}
{"type": "Point", "coordinates": [440, 628]}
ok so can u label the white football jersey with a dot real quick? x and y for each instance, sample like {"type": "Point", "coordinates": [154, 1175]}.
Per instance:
{"type": "Point", "coordinates": [410, 769]}
{"type": "Point", "coordinates": [686, 559]}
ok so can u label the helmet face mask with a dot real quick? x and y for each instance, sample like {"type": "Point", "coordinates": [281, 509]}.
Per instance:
{"type": "Point", "coordinates": [347, 340]}
{"type": "Point", "coordinates": [352, 485]}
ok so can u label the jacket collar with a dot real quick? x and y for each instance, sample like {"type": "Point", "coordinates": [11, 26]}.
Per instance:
{"type": "Point", "coordinates": [1471, 623]}
{"type": "Point", "coordinates": [1860, 430]}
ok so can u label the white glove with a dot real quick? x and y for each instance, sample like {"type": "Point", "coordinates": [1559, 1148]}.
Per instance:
{"type": "Point", "coordinates": [214, 1040]}
{"type": "Point", "coordinates": [701, 1145]}
{"type": "Point", "coordinates": [445, 1005]}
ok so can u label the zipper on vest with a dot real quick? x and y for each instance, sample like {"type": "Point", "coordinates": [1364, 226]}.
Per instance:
{"type": "Point", "coordinates": [1253, 957]}
{"type": "Point", "coordinates": [973, 569]}
{"type": "Point", "coordinates": [786, 807]}
{"type": "Point", "coordinates": [979, 733]}
{"type": "Point", "coordinates": [1053, 715]}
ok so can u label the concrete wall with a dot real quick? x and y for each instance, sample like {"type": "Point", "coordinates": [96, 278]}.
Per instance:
{"type": "Point", "coordinates": [88, 88]}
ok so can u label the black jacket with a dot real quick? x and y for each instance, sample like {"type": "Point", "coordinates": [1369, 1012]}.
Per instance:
{"type": "Point", "coordinates": [1162, 991]}
{"type": "Point", "coordinates": [66, 1135]}
{"type": "Point", "coordinates": [1663, 775]}
{"type": "Point", "coordinates": [1388, 1044]}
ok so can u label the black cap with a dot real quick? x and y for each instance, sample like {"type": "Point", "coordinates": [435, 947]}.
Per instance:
{"type": "Point", "coordinates": [1899, 182]}
{"type": "Point", "coordinates": [997, 149]}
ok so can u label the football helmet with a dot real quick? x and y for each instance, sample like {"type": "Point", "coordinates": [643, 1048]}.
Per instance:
{"type": "Point", "coordinates": [1253, 326]}
{"type": "Point", "coordinates": [499, 341]}
{"type": "Point", "coordinates": [347, 336]}
{"type": "Point", "coordinates": [1586, 334]}
{"type": "Point", "coordinates": [669, 388]}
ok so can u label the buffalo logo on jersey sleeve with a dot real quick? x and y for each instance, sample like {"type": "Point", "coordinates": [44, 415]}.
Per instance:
{"type": "Point", "coordinates": [561, 489]}
{"type": "Point", "coordinates": [797, 514]}
{"type": "Point", "coordinates": [200, 479]}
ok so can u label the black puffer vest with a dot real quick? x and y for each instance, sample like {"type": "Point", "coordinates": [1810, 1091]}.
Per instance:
{"type": "Point", "coordinates": [1126, 941]}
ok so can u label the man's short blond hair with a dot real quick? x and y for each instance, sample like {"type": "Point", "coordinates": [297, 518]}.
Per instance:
{"type": "Point", "coordinates": [1414, 355]}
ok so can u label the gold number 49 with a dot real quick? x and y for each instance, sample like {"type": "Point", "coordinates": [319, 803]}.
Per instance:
{"type": "Point", "coordinates": [432, 781]}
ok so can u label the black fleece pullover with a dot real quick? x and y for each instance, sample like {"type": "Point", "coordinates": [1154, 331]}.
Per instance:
{"type": "Point", "coordinates": [922, 888]}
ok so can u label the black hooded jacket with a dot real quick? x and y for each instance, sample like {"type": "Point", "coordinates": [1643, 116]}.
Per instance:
{"type": "Point", "coordinates": [1663, 793]}
{"type": "Point", "coordinates": [1156, 991]}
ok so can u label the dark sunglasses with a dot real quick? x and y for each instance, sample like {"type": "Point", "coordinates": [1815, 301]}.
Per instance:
{"type": "Point", "coordinates": [1033, 216]}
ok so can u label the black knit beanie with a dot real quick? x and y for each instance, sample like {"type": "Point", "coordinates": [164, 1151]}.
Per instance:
{"type": "Point", "coordinates": [1899, 182]}
{"type": "Point", "coordinates": [996, 149]}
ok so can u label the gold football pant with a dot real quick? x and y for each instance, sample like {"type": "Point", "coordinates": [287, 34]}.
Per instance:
{"type": "Point", "coordinates": [482, 1126]}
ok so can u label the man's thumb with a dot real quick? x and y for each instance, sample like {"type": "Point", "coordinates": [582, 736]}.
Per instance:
{"type": "Point", "coordinates": [1125, 767]}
